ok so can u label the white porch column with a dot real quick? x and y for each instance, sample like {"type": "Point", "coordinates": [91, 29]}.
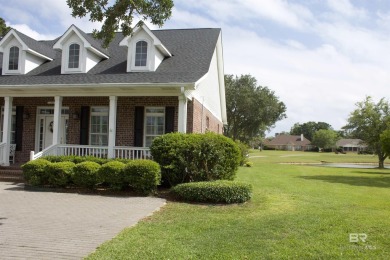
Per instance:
{"type": "Point", "coordinates": [112, 126]}
{"type": "Point", "coordinates": [57, 120]}
{"type": "Point", "coordinates": [182, 120]}
{"type": "Point", "coordinates": [7, 127]}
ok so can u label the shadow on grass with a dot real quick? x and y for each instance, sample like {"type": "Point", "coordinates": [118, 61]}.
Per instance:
{"type": "Point", "coordinates": [372, 172]}
{"type": "Point", "coordinates": [381, 182]}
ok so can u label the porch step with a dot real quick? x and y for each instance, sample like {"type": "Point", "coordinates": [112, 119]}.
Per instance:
{"type": "Point", "coordinates": [12, 173]}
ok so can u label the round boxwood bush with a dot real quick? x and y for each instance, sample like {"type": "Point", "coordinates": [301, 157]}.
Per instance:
{"type": "Point", "coordinates": [60, 173]}
{"type": "Point", "coordinates": [142, 175]}
{"type": "Point", "coordinates": [195, 157]}
{"type": "Point", "coordinates": [85, 174]}
{"type": "Point", "coordinates": [221, 191]}
{"type": "Point", "coordinates": [35, 173]}
{"type": "Point", "coordinates": [112, 174]}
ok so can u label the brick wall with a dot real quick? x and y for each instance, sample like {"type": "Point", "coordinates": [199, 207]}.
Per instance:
{"type": "Point", "coordinates": [199, 121]}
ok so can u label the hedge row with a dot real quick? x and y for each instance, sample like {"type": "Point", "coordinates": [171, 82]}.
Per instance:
{"type": "Point", "coordinates": [195, 157]}
{"type": "Point", "coordinates": [78, 159]}
{"type": "Point", "coordinates": [215, 192]}
{"type": "Point", "coordinates": [142, 175]}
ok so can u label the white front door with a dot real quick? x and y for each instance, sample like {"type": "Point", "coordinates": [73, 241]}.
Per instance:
{"type": "Point", "coordinates": [45, 130]}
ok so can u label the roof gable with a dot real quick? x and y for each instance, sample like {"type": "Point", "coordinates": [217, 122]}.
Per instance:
{"type": "Point", "coordinates": [156, 41]}
{"type": "Point", "coordinates": [34, 47]}
{"type": "Point", "coordinates": [89, 42]}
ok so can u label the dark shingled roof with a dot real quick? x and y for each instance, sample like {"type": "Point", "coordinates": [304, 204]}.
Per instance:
{"type": "Point", "coordinates": [38, 46]}
{"type": "Point", "coordinates": [192, 51]}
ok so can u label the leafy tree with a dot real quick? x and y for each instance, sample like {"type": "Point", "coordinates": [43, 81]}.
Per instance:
{"type": "Point", "coordinates": [251, 109]}
{"type": "Point", "coordinates": [385, 141]}
{"type": "Point", "coordinates": [121, 14]}
{"type": "Point", "coordinates": [325, 138]}
{"type": "Point", "coordinates": [309, 128]}
{"type": "Point", "coordinates": [3, 27]}
{"type": "Point", "coordinates": [368, 121]}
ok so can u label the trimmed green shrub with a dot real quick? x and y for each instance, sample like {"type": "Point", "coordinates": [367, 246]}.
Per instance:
{"type": "Point", "coordinates": [112, 174]}
{"type": "Point", "coordinates": [35, 172]}
{"type": "Point", "coordinates": [214, 192]}
{"type": "Point", "coordinates": [60, 173]}
{"type": "Point", "coordinates": [195, 157]}
{"type": "Point", "coordinates": [244, 151]}
{"type": "Point", "coordinates": [142, 175]}
{"type": "Point", "coordinates": [85, 174]}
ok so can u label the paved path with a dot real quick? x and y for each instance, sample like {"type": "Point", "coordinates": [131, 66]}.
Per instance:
{"type": "Point", "coordinates": [49, 225]}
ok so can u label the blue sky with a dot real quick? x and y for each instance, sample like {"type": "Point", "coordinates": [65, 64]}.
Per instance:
{"type": "Point", "coordinates": [319, 56]}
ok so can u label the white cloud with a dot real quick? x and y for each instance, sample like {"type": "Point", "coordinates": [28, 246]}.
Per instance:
{"type": "Point", "coordinates": [23, 28]}
{"type": "Point", "coordinates": [347, 9]}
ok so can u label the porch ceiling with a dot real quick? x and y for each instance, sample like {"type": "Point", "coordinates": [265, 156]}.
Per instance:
{"type": "Point", "coordinates": [173, 89]}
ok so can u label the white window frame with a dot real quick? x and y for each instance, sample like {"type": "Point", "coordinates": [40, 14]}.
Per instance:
{"type": "Point", "coordinates": [18, 58]}
{"type": "Point", "coordinates": [101, 114]}
{"type": "Point", "coordinates": [13, 124]}
{"type": "Point", "coordinates": [21, 57]}
{"type": "Point", "coordinates": [154, 114]}
{"type": "Point", "coordinates": [79, 56]}
{"type": "Point", "coordinates": [65, 63]}
{"type": "Point", "coordinates": [141, 60]}
{"type": "Point", "coordinates": [149, 56]}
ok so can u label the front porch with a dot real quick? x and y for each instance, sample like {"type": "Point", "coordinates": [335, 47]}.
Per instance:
{"type": "Point", "coordinates": [106, 127]}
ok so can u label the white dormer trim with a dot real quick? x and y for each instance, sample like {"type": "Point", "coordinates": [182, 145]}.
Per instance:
{"type": "Point", "coordinates": [88, 56]}
{"type": "Point", "coordinates": [156, 51]}
{"type": "Point", "coordinates": [28, 58]}
{"type": "Point", "coordinates": [72, 29]}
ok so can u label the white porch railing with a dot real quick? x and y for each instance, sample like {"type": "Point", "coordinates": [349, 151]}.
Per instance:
{"type": "Point", "coordinates": [82, 150]}
{"type": "Point", "coordinates": [51, 150]}
{"type": "Point", "coordinates": [126, 152]}
{"type": "Point", "coordinates": [3, 146]}
{"type": "Point", "coordinates": [122, 152]}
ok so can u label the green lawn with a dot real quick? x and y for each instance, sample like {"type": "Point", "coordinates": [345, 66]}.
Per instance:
{"type": "Point", "coordinates": [297, 212]}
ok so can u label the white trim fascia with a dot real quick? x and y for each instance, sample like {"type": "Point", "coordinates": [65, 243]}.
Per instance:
{"type": "Point", "coordinates": [201, 79]}
{"type": "Point", "coordinates": [156, 41]}
{"type": "Point", "coordinates": [13, 33]}
{"type": "Point", "coordinates": [173, 89]}
{"type": "Point", "coordinates": [59, 44]}
{"type": "Point", "coordinates": [39, 55]}
{"type": "Point", "coordinates": [97, 52]}
{"type": "Point", "coordinates": [221, 77]}
{"type": "Point", "coordinates": [94, 85]}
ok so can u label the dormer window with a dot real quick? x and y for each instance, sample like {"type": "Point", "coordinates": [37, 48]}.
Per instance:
{"type": "Point", "coordinates": [13, 62]}
{"type": "Point", "coordinates": [141, 54]}
{"type": "Point", "coordinates": [74, 56]}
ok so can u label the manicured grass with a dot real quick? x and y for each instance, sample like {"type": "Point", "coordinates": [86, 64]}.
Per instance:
{"type": "Point", "coordinates": [297, 212]}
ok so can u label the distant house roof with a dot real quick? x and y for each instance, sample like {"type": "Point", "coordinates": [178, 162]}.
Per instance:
{"type": "Point", "coordinates": [284, 139]}
{"type": "Point", "coordinates": [350, 143]}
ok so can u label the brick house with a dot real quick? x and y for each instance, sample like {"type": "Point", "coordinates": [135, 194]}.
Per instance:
{"type": "Point", "coordinates": [71, 96]}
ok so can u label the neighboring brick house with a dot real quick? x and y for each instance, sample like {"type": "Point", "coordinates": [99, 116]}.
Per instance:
{"type": "Point", "coordinates": [351, 145]}
{"type": "Point", "coordinates": [71, 96]}
{"type": "Point", "coordinates": [289, 143]}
